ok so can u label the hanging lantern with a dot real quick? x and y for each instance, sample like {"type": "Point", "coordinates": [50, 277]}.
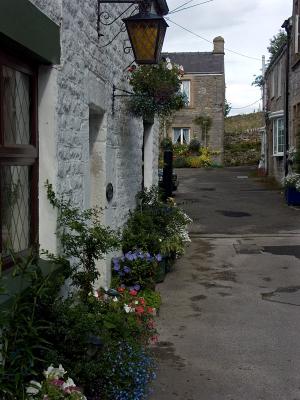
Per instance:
{"type": "Point", "coordinates": [146, 32]}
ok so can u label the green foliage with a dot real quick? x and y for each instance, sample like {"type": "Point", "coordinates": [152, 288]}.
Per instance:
{"type": "Point", "coordinates": [136, 268]}
{"type": "Point", "coordinates": [24, 324]}
{"type": "Point", "coordinates": [180, 162]}
{"type": "Point", "coordinates": [276, 43]}
{"type": "Point", "coordinates": [166, 144]}
{"type": "Point", "coordinates": [194, 145]}
{"type": "Point", "coordinates": [227, 108]}
{"type": "Point", "coordinates": [180, 149]}
{"type": "Point", "coordinates": [83, 238]}
{"type": "Point", "coordinates": [258, 81]}
{"type": "Point", "coordinates": [156, 91]}
{"type": "Point", "coordinates": [154, 226]}
{"type": "Point", "coordinates": [152, 298]}
{"type": "Point", "coordinates": [205, 123]}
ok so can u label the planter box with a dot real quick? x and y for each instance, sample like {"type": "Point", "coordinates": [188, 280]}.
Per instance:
{"type": "Point", "coordinates": [292, 197]}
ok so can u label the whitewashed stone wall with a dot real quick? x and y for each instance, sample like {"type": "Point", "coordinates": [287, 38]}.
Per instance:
{"type": "Point", "coordinates": [83, 146]}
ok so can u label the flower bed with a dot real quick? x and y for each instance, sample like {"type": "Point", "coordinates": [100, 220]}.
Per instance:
{"type": "Point", "coordinates": [100, 337]}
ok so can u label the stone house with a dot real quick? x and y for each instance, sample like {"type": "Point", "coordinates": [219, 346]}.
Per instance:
{"type": "Point", "coordinates": [58, 65]}
{"type": "Point", "coordinates": [274, 134]}
{"type": "Point", "coordinates": [204, 85]}
{"type": "Point", "coordinates": [282, 100]}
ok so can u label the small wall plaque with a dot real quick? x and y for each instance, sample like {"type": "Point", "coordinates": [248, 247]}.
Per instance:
{"type": "Point", "coordinates": [109, 192]}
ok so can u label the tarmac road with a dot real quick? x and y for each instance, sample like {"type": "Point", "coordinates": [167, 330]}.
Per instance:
{"type": "Point", "coordinates": [230, 321]}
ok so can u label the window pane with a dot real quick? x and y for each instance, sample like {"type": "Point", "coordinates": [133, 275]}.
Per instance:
{"type": "Point", "coordinates": [185, 88]}
{"type": "Point", "coordinates": [186, 135]}
{"type": "Point", "coordinates": [15, 209]}
{"type": "Point", "coordinates": [280, 136]}
{"type": "Point", "coordinates": [176, 135]}
{"type": "Point", "coordinates": [16, 107]}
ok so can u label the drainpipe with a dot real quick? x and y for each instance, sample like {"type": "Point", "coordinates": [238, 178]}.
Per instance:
{"type": "Point", "coordinates": [287, 25]}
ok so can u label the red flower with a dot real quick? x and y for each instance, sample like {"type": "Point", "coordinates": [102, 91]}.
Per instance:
{"type": "Point", "coordinates": [139, 310]}
{"type": "Point", "coordinates": [142, 301]}
{"type": "Point", "coordinates": [150, 310]}
{"type": "Point", "coordinates": [121, 289]}
{"type": "Point", "coordinates": [154, 339]}
{"type": "Point", "coordinates": [133, 292]}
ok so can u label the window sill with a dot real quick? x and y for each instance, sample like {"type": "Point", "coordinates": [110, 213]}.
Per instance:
{"type": "Point", "coordinates": [278, 155]}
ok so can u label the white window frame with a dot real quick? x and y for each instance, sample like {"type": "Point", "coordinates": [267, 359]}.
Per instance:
{"type": "Point", "coordinates": [278, 129]}
{"type": "Point", "coordinates": [186, 92]}
{"type": "Point", "coordinates": [181, 135]}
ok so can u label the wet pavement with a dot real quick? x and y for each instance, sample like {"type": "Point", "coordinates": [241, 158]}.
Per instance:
{"type": "Point", "coordinates": [230, 321]}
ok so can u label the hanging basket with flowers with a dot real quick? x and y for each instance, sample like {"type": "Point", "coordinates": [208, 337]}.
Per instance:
{"type": "Point", "coordinates": [156, 90]}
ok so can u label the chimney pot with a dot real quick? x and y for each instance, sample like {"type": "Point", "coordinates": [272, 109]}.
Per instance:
{"type": "Point", "coordinates": [219, 45]}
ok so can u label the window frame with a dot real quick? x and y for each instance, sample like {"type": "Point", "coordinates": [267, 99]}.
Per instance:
{"type": "Point", "coordinates": [21, 154]}
{"type": "Point", "coordinates": [276, 121]}
{"type": "Point", "coordinates": [181, 135]}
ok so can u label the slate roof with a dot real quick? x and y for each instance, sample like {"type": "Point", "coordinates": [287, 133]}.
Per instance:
{"type": "Point", "coordinates": [198, 62]}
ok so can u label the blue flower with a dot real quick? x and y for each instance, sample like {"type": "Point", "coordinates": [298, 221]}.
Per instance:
{"type": "Point", "coordinates": [115, 260]}
{"type": "Point", "coordinates": [126, 269]}
{"type": "Point", "coordinates": [129, 256]}
{"type": "Point", "coordinates": [137, 287]}
{"type": "Point", "coordinates": [116, 267]}
{"type": "Point", "coordinates": [158, 257]}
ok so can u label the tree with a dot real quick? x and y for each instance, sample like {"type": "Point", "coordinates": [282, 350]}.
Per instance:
{"type": "Point", "coordinates": [258, 81]}
{"type": "Point", "coordinates": [276, 43]}
{"type": "Point", "coordinates": [227, 108]}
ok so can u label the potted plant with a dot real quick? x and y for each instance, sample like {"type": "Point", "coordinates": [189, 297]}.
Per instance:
{"type": "Point", "coordinates": [156, 90]}
{"type": "Point", "coordinates": [292, 188]}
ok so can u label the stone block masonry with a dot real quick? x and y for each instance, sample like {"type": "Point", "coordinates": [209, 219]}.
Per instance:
{"type": "Point", "coordinates": [83, 146]}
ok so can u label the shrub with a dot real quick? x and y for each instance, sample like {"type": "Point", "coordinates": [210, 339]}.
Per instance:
{"type": "Point", "coordinates": [180, 162]}
{"type": "Point", "coordinates": [136, 268]}
{"type": "Point", "coordinates": [180, 149]}
{"type": "Point", "coordinates": [24, 322]}
{"type": "Point", "coordinates": [83, 238]}
{"type": "Point", "coordinates": [154, 226]}
{"type": "Point", "coordinates": [194, 145]}
{"type": "Point", "coordinates": [166, 144]}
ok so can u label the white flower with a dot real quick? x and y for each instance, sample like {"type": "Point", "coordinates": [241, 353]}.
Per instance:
{"type": "Point", "coordinates": [169, 66]}
{"type": "Point", "coordinates": [33, 388]}
{"type": "Point", "coordinates": [96, 294]}
{"type": "Point", "coordinates": [55, 373]}
{"type": "Point", "coordinates": [128, 309]}
{"type": "Point", "coordinates": [168, 60]}
{"type": "Point", "coordinates": [136, 302]}
{"type": "Point", "coordinates": [115, 299]}
{"type": "Point", "coordinates": [69, 383]}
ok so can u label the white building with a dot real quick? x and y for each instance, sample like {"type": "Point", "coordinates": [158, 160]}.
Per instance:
{"type": "Point", "coordinates": [56, 118]}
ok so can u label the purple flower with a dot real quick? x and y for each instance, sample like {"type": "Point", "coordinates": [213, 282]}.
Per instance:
{"type": "Point", "coordinates": [148, 257]}
{"type": "Point", "coordinates": [115, 260]}
{"type": "Point", "coordinates": [116, 267]}
{"type": "Point", "coordinates": [126, 269]}
{"type": "Point", "coordinates": [158, 257]}
{"type": "Point", "coordinates": [137, 287]}
{"type": "Point", "coordinates": [129, 256]}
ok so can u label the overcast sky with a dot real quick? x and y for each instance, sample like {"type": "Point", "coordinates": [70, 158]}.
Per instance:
{"type": "Point", "coordinates": [246, 26]}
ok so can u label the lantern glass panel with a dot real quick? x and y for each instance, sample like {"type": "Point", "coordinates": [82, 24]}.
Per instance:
{"type": "Point", "coordinates": [144, 37]}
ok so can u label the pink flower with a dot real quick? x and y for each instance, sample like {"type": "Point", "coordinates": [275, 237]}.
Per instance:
{"type": "Point", "coordinates": [57, 382]}
{"type": "Point", "coordinates": [139, 310]}
{"type": "Point", "coordinates": [133, 292]}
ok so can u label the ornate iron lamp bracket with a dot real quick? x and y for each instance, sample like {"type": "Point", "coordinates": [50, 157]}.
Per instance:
{"type": "Point", "coordinates": [104, 18]}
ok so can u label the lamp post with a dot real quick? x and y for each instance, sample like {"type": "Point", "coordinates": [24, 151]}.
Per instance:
{"type": "Point", "coordinates": [146, 31]}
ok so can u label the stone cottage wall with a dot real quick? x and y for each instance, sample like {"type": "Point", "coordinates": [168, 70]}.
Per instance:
{"type": "Point", "coordinates": [207, 98]}
{"type": "Point", "coordinates": [83, 145]}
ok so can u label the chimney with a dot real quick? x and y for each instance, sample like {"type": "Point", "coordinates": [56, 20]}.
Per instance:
{"type": "Point", "coordinates": [219, 45]}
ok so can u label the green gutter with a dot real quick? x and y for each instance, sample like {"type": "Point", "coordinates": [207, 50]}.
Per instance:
{"type": "Point", "coordinates": [24, 24]}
